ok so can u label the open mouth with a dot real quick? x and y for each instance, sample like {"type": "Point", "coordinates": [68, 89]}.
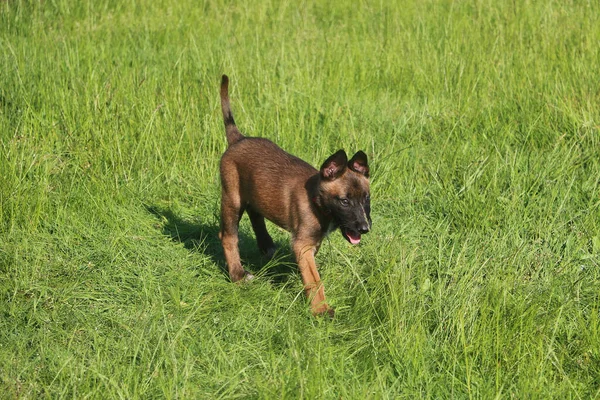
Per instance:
{"type": "Point", "coordinates": [352, 236]}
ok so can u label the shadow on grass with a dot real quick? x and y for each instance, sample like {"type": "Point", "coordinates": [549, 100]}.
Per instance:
{"type": "Point", "coordinates": [204, 238]}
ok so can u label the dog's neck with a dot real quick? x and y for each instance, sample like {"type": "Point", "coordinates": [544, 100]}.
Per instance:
{"type": "Point", "coordinates": [328, 223]}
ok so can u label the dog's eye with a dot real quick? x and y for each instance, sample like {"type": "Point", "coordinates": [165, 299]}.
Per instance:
{"type": "Point", "coordinates": [344, 202]}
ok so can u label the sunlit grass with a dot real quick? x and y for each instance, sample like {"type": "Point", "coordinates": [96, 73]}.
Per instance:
{"type": "Point", "coordinates": [480, 278]}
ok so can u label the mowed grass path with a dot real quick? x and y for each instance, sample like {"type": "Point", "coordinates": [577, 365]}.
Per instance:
{"type": "Point", "coordinates": [480, 278]}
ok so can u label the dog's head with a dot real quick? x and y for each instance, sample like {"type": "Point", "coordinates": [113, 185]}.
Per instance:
{"type": "Point", "coordinates": [344, 193]}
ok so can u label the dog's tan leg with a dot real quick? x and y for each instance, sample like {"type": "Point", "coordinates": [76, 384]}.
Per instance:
{"type": "Point", "coordinates": [313, 288]}
{"type": "Point", "coordinates": [263, 239]}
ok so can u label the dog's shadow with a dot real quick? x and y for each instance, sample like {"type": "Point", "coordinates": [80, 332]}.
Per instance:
{"type": "Point", "coordinates": [204, 238]}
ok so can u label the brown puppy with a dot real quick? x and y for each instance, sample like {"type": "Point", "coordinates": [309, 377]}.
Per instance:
{"type": "Point", "coordinates": [260, 178]}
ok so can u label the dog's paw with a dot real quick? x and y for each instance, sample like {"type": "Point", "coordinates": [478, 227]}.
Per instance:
{"type": "Point", "coordinates": [248, 276]}
{"type": "Point", "coordinates": [324, 310]}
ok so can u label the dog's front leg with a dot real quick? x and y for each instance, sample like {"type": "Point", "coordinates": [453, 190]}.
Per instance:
{"type": "Point", "coordinates": [305, 251]}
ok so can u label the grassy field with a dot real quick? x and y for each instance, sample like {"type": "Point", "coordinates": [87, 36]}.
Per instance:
{"type": "Point", "coordinates": [480, 278]}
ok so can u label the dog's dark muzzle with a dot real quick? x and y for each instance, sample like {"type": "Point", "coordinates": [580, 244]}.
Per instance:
{"type": "Point", "coordinates": [354, 235]}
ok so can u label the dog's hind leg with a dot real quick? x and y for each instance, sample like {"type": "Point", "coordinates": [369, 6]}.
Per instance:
{"type": "Point", "coordinates": [231, 213]}
{"type": "Point", "coordinates": [263, 239]}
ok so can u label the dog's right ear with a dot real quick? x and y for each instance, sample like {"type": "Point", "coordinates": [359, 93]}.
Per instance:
{"type": "Point", "coordinates": [334, 166]}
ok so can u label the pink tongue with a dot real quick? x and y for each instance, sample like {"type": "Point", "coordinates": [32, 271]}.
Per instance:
{"type": "Point", "coordinates": [354, 237]}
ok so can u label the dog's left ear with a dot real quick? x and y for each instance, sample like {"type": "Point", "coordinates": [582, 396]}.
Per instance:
{"type": "Point", "coordinates": [358, 163]}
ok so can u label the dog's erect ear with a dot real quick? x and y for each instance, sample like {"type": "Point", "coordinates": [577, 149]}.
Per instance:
{"type": "Point", "coordinates": [358, 163]}
{"type": "Point", "coordinates": [334, 166]}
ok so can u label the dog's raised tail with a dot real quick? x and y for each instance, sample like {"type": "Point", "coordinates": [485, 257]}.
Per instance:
{"type": "Point", "coordinates": [233, 134]}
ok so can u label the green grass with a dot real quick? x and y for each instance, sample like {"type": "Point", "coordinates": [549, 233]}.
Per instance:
{"type": "Point", "coordinates": [480, 278]}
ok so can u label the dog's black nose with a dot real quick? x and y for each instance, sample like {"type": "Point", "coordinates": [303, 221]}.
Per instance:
{"type": "Point", "coordinates": [364, 228]}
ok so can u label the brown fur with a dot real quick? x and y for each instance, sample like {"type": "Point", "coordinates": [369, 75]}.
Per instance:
{"type": "Point", "coordinates": [261, 179]}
